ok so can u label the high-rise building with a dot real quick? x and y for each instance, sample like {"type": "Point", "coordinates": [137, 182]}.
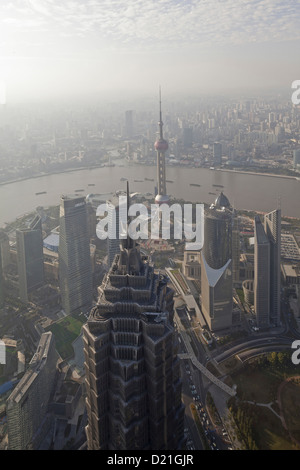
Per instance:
{"type": "Point", "coordinates": [217, 153]}
{"type": "Point", "coordinates": [1, 282]}
{"type": "Point", "coordinates": [161, 146]}
{"type": "Point", "coordinates": [133, 384]}
{"type": "Point", "coordinates": [235, 248]}
{"type": "Point", "coordinates": [267, 253]}
{"type": "Point", "coordinates": [261, 275]}
{"type": "Point", "coordinates": [116, 213]}
{"type": "Point", "coordinates": [216, 265]}
{"type": "Point", "coordinates": [296, 159]}
{"type": "Point", "coordinates": [30, 257]}
{"type": "Point", "coordinates": [129, 123]}
{"type": "Point", "coordinates": [27, 405]}
{"type": "Point", "coordinates": [75, 270]}
{"type": "Point", "coordinates": [272, 224]}
{"type": "Point", "coordinates": [5, 249]}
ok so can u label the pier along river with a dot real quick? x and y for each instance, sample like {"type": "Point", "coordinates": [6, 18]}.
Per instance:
{"type": "Point", "coordinates": [256, 192]}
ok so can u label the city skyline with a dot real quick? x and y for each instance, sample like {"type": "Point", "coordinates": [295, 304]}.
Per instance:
{"type": "Point", "coordinates": [49, 49]}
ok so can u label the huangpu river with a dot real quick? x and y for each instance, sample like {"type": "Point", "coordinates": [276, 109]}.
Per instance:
{"type": "Point", "coordinates": [256, 192]}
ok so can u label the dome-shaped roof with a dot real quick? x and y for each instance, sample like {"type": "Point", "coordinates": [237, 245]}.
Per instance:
{"type": "Point", "coordinates": [222, 201]}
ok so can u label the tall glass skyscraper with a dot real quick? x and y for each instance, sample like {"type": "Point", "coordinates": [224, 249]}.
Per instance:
{"type": "Point", "coordinates": [133, 379]}
{"type": "Point", "coordinates": [75, 270]}
{"type": "Point", "coordinates": [30, 257]}
{"type": "Point", "coordinates": [216, 265]}
{"type": "Point", "coordinates": [267, 252]}
{"type": "Point", "coordinates": [272, 223]}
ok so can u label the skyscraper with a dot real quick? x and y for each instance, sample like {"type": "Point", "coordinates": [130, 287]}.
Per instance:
{"type": "Point", "coordinates": [161, 146]}
{"type": "Point", "coordinates": [217, 153]}
{"type": "Point", "coordinates": [30, 257]}
{"type": "Point", "coordinates": [261, 275]}
{"type": "Point", "coordinates": [115, 209]}
{"type": "Point", "coordinates": [27, 405]}
{"type": "Point", "coordinates": [272, 225]}
{"type": "Point", "coordinates": [129, 123]}
{"type": "Point", "coordinates": [267, 247]}
{"type": "Point", "coordinates": [132, 370]}
{"type": "Point", "coordinates": [1, 282]}
{"type": "Point", "coordinates": [75, 270]}
{"type": "Point", "coordinates": [216, 265]}
{"type": "Point", "coordinates": [235, 248]}
{"type": "Point", "coordinates": [296, 159]}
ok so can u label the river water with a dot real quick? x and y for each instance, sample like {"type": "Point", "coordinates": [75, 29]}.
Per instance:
{"type": "Point", "coordinates": [244, 191]}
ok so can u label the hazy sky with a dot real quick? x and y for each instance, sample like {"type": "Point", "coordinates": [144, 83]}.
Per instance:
{"type": "Point", "coordinates": [51, 47]}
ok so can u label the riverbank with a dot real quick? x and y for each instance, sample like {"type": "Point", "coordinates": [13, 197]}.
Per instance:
{"type": "Point", "coordinates": [128, 164]}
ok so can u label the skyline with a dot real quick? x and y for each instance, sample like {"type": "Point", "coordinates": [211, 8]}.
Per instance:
{"type": "Point", "coordinates": [54, 50]}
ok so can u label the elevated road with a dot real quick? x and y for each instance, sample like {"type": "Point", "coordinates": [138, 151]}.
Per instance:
{"type": "Point", "coordinates": [191, 355]}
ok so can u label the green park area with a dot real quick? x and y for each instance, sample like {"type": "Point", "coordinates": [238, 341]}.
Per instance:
{"type": "Point", "coordinates": [265, 414]}
{"type": "Point", "coordinates": [66, 331]}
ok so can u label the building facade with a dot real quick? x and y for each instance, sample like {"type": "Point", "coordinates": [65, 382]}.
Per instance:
{"type": "Point", "coordinates": [261, 275]}
{"type": "Point", "coordinates": [216, 265]}
{"type": "Point", "coordinates": [272, 225]}
{"type": "Point", "coordinates": [30, 258]}
{"type": "Point", "coordinates": [27, 405]}
{"type": "Point", "coordinates": [133, 379]}
{"type": "Point", "coordinates": [75, 270]}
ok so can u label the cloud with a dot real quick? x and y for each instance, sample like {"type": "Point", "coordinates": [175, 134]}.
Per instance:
{"type": "Point", "coordinates": [160, 24]}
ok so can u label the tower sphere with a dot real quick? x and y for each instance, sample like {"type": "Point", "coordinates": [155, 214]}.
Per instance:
{"type": "Point", "coordinates": [161, 144]}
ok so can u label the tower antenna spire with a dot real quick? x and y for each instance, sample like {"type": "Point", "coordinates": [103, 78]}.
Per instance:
{"type": "Point", "coordinates": [160, 116]}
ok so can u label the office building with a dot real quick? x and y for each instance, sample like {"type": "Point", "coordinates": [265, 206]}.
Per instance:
{"type": "Point", "coordinates": [27, 406]}
{"type": "Point", "coordinates": [216, 265]}
{"type": "Point", "coordinates": [261, 275]}
{"type": "Point", "coordinates": [129, 124]}
{"type": "Point", "coordinates": [236, 250]}
{"type": "Point", "coordinates": [30, 257]}
{"type": "Point", "coordinates": [116, 213]}
{"type": "Point", "coordinates": [5, 249]}
{"type": "Point", "coordinates": [217, 153]}
{"type": "Point", "coordinates": [272, 225]}
{"type": "Point", "coordinates": [1, 283]}
{"type": "Point", "coordinates": [133, 384]}
{"type": "Point", "coordinates": [296, 159]}
{"type": "Point", "coordinates": [75, 270]}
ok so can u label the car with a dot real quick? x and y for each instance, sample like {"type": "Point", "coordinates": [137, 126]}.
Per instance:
{"type": "Point", "coordinates": [194, 392]}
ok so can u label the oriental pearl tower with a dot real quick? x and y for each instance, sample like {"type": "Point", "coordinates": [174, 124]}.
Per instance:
{"type": "Point", "coordinates": [161, 146]}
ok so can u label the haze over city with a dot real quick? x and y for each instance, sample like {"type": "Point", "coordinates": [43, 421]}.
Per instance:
{"type": "Point", "coordinates": [58, 49]}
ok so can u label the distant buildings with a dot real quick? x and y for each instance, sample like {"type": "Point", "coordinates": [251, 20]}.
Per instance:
{"type": "Point", "coordinates": [27, 405]}
{"type": "Point", "coordinates": [133, 384]}
{"type": "Point", "coordinates": [30, 257]}
{"type": "Point", "coordinates": [75, 270]}
{"type": "Point", "coordinates": [216, 265]}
